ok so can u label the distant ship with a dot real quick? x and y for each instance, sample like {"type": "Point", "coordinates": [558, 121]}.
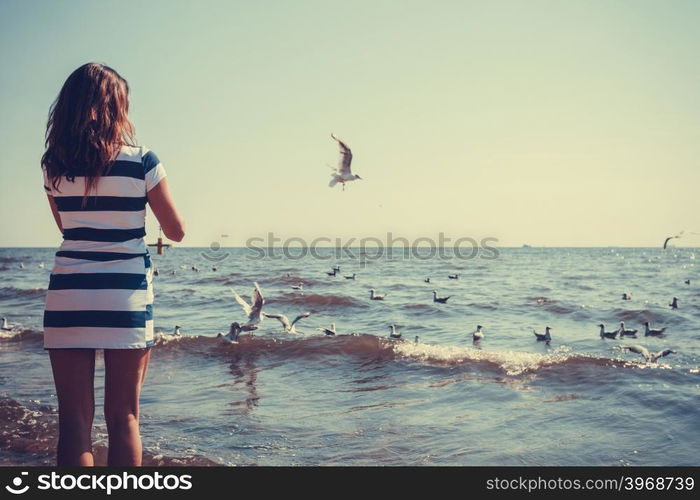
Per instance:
{"type": "Point", "coordinates": [525, 245]}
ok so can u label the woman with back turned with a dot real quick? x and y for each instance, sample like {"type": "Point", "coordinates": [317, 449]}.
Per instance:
{"type": "Point", "coordinates": [98, 183]}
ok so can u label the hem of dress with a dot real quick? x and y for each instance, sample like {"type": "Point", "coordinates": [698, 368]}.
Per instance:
{"type": "Point", "coordinates": [146, 345]}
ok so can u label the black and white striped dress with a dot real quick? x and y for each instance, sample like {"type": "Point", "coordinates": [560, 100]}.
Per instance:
{"type": "Point", "coordinates": [100, 292]}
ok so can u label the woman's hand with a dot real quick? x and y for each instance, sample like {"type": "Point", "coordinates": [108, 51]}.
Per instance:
{"type": "Point", "coordinates": [163, 206]}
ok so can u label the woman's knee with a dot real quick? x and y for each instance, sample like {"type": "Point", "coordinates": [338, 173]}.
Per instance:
{"type": "Point", "coordinates": [120, 421]}
{"type": "Point", "coordinates": [75, 427]}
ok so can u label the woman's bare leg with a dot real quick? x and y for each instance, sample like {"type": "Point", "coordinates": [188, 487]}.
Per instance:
{"type": "Point", "coordinates": [125, 372]}
{"type": "Point", "coordinates": [74, 376]}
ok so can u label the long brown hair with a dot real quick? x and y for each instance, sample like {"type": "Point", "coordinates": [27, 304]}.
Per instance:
{"type": "Point", "coordinates": [87, 125]}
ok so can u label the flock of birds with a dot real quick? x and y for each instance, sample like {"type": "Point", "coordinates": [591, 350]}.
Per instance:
{"type": "Point", "coordinates": [253, 310]}
{"type": "Point", "coordinates": [254, 313]}
{"type": "Point", "coordinates": [342, 174]}
{"type": "Point", "coordinates": [622, 332]}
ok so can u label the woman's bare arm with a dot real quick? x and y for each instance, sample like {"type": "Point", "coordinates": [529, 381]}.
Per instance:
{"type": "Point", "coordinates": [163, 206]}
{"type": "Point", "coordinates": [54, 211]}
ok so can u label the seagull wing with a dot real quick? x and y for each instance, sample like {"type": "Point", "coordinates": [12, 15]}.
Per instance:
{"type": "Point", "coordinates": [345, 157]}
{"type": "Point", "coordinates": [246, 307]}
{"type": "Point", "coordinates": [281, 318]}
{"type": "Point", "coordinates": [638, 349]}
{"type": "Point", "coordinates": [300, 317]}
{"type": "Point", "coordinates": [257, 300]}
{"type": "Point", "coordinates": [661, 354]}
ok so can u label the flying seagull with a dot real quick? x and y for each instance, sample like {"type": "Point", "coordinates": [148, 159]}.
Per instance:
{"type": "Point", "coordinates": [252, 310]}
{"type": "Point", "coordinates": [652, 358]}
{"type": "Point", "coordinates": [671, 238]}
{"type": "Point", "coordinates": [343, 174]}
{"type": "Point", "coordinates": [288, 327]}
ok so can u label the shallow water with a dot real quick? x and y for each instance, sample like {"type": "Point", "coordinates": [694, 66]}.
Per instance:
{"type": "Point", "coordinates": [362, 399]}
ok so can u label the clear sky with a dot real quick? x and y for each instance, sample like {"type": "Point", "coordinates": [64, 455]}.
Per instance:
{"type": "Point", "coordinates": [543, 122]}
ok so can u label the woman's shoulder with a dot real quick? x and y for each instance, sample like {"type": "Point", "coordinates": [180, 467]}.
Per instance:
{"type": "Point", "coordinates": [139, 154]}
{"type": "Point", "coordinates": [130, 153]}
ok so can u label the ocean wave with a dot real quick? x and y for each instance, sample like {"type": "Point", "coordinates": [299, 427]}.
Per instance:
{"type": "Point", "coordinates": [19, 334]}
{"type": "Point", "coordinates": [13, 259]}
{"type": "Point", "coordinates": [378, 349]}
{"type": "Point", "coordinates": [311, 300]}
{"type": "Point", "coordinates": [553, 305]}
{"type": "Point", "coordinates": [637, 315]}
{"type": "Point", "coordinates": [8, 292]}
{"type": "Point", "coordinates": [31, 434]}
{"type": "Point", "coordinates": [295, 280]}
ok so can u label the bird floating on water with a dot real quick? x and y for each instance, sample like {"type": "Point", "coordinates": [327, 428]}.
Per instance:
{"type": "Point", "coordinates": [652, 358]}
{"type": "Point", "coordinates": [607, 335]}
{"type": "Point", "coordinates": [332, 273]}
{"type": "Point", "coordinates": [288, 327]}
{"type": "Point", "coordinates": [252, 310]}
{"type": "Point", "coordinates": [687, 282]}
{"type": "Point", "coordinates": [350, 277]}
{"type": "Point", "coordinates": [394, 334]}
{"type": "Point", "coordinates": [674, 303]}
{"type": "Point", "coordinates": [41, 265]}
{"type": "Point", "coordinates": [328, 331]}
{"type": "Point", "coordinates": [546, 336]}
{"type": "Point", "coordinates": [416, 340]}
{"type": "Point", "coordinates": [195, 269]}
{"type": "Point", "coordinates": [376, 296]}
{"type": "Point", "coordinates": [626, 296]}
{"type": "Point", "coordinates": [233, 333]}
{"type": "Point", "coordinates": [426, 280]}
{"type": "Point", "coordinates": [648, 331]}
{"type": "Point", "coordinates": [300, 286]}
{"type": "Point", "coordinates": [478, 334]}
{"type": "Point", "coordinates": [176, 332]}
{"type": "Point", "coordinates": [343, 173]}
{"type": "Point", "coordinates": [625, 332]}
{"type": "Point", "coordinates": [453, 276]}
{"type": "Point", "coordinates": [5, 325]}
{"type": "Point", "coordinates": [440, 300]}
